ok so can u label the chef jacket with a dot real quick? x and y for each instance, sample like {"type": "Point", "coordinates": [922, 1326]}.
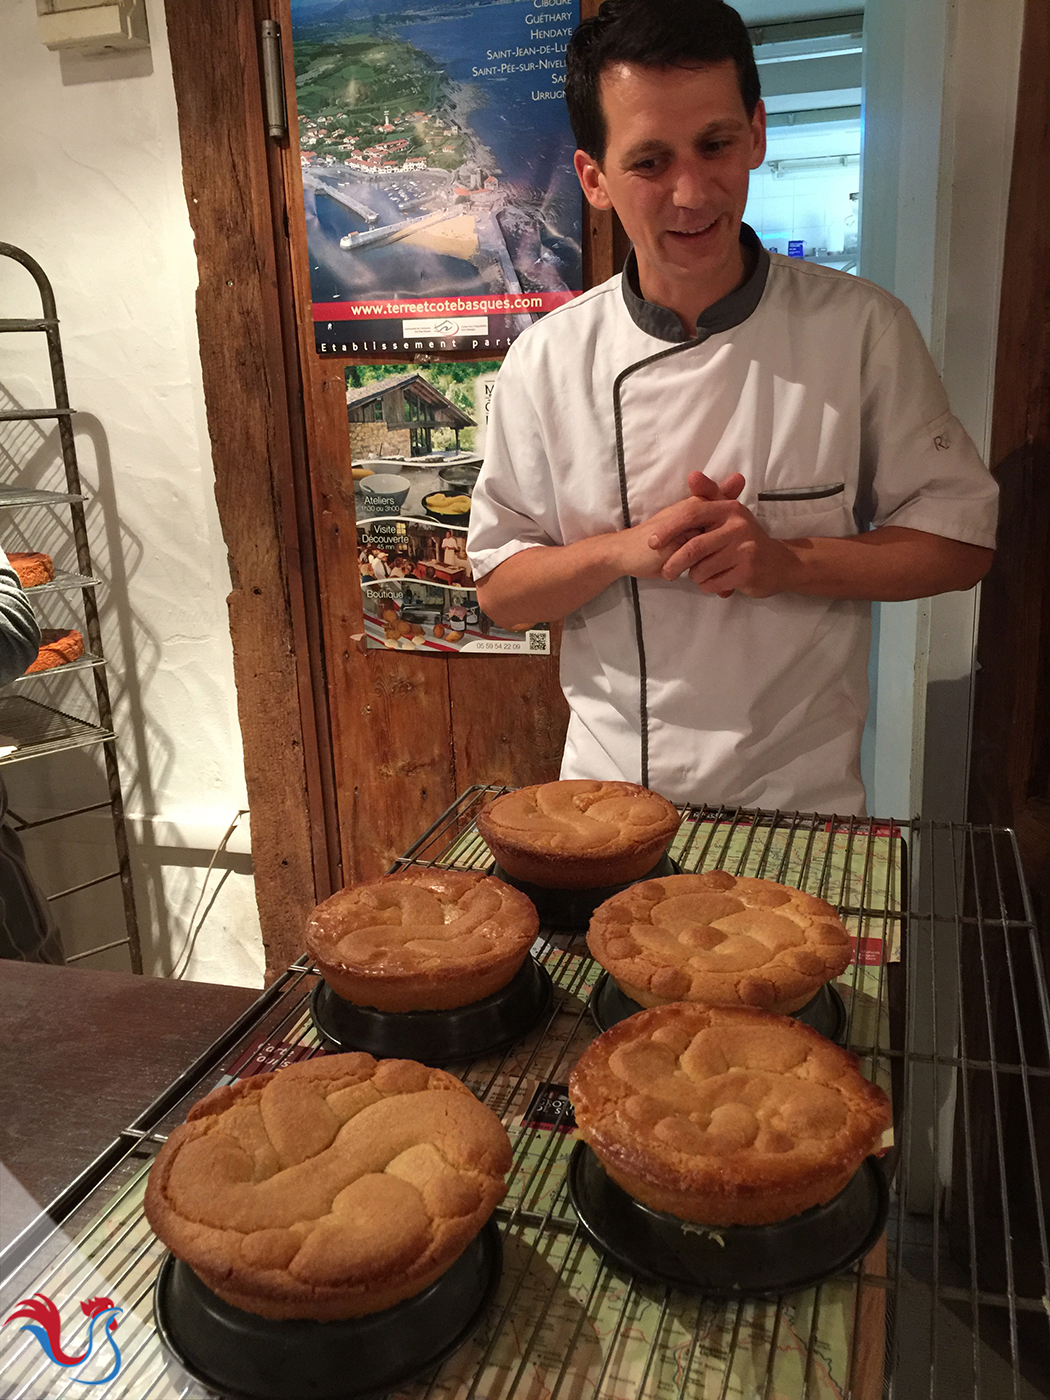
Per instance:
{"type": "Point", "coordinates": [814, 384]}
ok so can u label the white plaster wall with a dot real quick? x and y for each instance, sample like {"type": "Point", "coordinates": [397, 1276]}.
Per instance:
{"type": "Point", "coordinates": [940, 95]}
{"type": "Point", "coordinates": [980, 104]}
{"type": "Point", "coordinates": [940, 99]}
{"type": "Point", "coordinates": [904, 58]}
{"type": "Point", "coordinates": [91, 186]}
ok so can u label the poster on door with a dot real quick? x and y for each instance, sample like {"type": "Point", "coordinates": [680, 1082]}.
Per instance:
{"type": "Point", "coordinates": [418, 593]}
{"type": "Point", "coordinates": [442, 210]}
{"type": "Point", "coordinates": [417, 436]}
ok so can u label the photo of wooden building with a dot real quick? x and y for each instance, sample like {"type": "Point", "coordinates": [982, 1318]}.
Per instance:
{"type": "Point", "coordinates": [397, 417]}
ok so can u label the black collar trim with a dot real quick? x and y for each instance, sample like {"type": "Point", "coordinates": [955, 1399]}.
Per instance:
{"type": "Point", "coordinates": [723, 315]}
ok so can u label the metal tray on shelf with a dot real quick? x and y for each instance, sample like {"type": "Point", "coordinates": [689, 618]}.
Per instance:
{"type": "Point", "coordinates": [567, 1322]}
{"type": "Point", "coordinates": [86, 662]}
{"type": "Point", "coordinates": [29, 728]}
{"type": "Point", "coordinates": [12, 496]}
{"type": "Point", "coordinates": [63, 582]}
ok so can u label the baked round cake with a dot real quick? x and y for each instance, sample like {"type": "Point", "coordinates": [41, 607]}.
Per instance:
{"type": "Point", "coordinates": [720, 939]}
{"type": "Point", "coordinates": [725, 1116]}
{"type": "Point", "coordinates": [578, 834]}
{"type": "Point", "coordinates": [424, 939]}
{"type": "Point", "coordinates": [334, 1188]}
{"type": "Point", "coordinates": [32, 569]}
{"type": "Point", "coordinates": [56, 649]}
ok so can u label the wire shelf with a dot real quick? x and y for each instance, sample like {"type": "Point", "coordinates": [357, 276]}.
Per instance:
{"type": "Point", "coordinates": [63, 582]}
{"type": "Point", "coordinates": [86, 662]}
{"type": "Point", "coordinates": [947, 1007]}
{"type": "Point", "coordinates": [23, 323]}
{"type": "Point", "coordinates": [11, 496]}
{"type": "Point", "coordinates": [36, 734]}
{"type": "Point", "coordinates": [33, 415]}
{"type": "Point", "coordinates": [29, 729]}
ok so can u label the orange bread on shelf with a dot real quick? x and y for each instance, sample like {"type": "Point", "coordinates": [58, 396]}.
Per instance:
{"type": "Point", "coordinates": [720, 939]}
{"type": "Point", "coordinates": [422, 939]}
{"type": "Point", "coordinates": [725, 1116]}
{"type": "Point", "coordinates": [32, 569]}
{"type": "Point", "coordinates": [578, 834]}
{"type": "Point", "coordinates": [333, 1188]}
{"type": "Point", "coordinates": [56, 648]}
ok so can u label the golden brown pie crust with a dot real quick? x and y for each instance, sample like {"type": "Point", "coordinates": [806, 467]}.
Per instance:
{"type": "Point", "coordinates": [424, 939]}
{"type": "Point", "coordinates": [725, 1116]}
{"type": "Point", "coordinates": [334, 1188]}
{"type": "Point", "coordinates": [719, 939]}
{"type": "Point", "coordinates": [577, 834]}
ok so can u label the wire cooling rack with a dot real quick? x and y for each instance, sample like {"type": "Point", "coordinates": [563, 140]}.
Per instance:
{"type": "Point", "coordinates": [947, 1007]}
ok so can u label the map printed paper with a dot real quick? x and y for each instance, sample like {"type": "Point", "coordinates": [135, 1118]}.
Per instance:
{"type": "Point", "coordinates": [442, 210]}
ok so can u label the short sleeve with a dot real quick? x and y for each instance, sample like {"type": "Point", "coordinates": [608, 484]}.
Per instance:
{"type": "Point", "coordinates": [919, 468]}
{"type": "Point", "coordinates": [512, 506]}
{"type": "Point", "coordinates": [19, 633]}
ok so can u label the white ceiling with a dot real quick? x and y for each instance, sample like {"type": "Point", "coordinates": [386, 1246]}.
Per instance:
{"type": "Point", "coordinates": [771, 11]}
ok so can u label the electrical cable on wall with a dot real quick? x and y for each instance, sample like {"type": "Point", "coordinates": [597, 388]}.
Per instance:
{"type": "Point", "coordinates": [178, 971]}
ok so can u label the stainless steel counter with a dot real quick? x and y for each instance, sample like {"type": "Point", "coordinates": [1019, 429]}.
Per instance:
{"type": "Point", "coordinates": [81, 1055]}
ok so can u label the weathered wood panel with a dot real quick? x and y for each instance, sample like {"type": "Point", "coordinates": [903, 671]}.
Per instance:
{"type": "Point", "coordinates": [216, 71]}
{"type": "Point", "coordinates": [407, 732]}
{"type": "Point", "coordinates": [1011, 743]}
{"type": "Point", "coordinates": [1010, 768]}
{"type": "Point", "coordinates": [508, 719]}
{"type": "Point", "coordinates": [390, 723]}
{"type": "Point", "coordinates": [348, 756]}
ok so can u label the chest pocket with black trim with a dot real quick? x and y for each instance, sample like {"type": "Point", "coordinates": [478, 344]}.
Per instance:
{"type": "Point", "coordinates": [793, 512]}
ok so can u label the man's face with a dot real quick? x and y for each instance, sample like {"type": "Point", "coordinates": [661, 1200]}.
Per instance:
{"type": "Point", "coordinates": [679, 152]}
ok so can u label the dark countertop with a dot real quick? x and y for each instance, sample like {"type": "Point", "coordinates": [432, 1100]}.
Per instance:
{"type": "Point", "coordinates": [82, 1054]}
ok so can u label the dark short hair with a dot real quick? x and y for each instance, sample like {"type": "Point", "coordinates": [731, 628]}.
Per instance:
{"type": "Point", "coordinates": [658, 34]}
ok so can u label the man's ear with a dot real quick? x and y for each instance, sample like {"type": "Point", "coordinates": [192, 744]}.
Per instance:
{"type": "Point", "coordinates": [758, 136]}
{"type": "Point", "coordinates": [592, 182]}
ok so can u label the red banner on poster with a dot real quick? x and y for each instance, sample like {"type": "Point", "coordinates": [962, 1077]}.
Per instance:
{"type": "Point", "coordinates": [440, 306]}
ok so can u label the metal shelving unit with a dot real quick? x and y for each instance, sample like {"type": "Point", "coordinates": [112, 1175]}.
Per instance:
{"type": "Point", "coordinates": [922, 1317]}
{"type": "Point", "coordinates": [29, 728]}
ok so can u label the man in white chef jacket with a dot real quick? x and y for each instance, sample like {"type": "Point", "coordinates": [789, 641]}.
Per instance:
{"type": "Point", "coordinates": [710, 466]}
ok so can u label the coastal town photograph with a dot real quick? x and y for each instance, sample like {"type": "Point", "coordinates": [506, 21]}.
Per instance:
{"type": "Point", "coordinates": [428, 212]}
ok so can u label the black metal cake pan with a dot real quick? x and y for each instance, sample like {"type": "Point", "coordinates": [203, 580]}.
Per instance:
{"type": "Point", "coordinates": [825, 1013]}
{"type": "Point", "coordinates": [732, 1261]}
{"type": "Point", "coordinates": [438, 1037]}
{"type": "Point", "coordinates": [246, 1357]}
{"type": "Point", "coordinates": [571, 910]}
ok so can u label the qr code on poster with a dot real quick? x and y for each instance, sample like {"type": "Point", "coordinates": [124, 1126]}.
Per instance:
{"type": "Point", "coordinates": [539, 641]}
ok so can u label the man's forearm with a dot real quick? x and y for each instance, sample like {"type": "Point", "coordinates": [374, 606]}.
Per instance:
{"type": "Point", "coordinates": [723, 549]}
{"type": "Point", "coordinates": [886, 565]}
{"type": "Point", "coordinates": [547, 582]}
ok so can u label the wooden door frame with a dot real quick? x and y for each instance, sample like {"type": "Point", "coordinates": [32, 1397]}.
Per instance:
{"type": "Point", "coordinates": [253, 396]}
{"type": "Point", "coordinates": [1010, 753]}
{"type": "Point", "coordinates": [1010, 764]}
{"type": "Point", "coordinates": [408, 732]}
{"type": "Point", "coordinates": [346, 754]}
